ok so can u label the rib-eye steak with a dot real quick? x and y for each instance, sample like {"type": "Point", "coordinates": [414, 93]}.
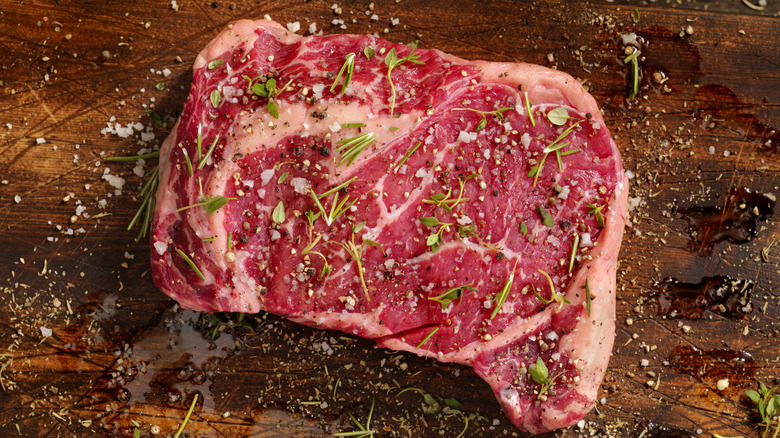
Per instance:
{"type": "Point", "coordinates": [467, 211]}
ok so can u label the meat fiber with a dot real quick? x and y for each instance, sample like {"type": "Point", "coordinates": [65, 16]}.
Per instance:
{"type": "Point", "coordinates": [411, 198]}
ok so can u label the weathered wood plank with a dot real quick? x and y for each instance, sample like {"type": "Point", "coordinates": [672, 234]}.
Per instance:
{"type": "Point", "coordinates": [122, 356]}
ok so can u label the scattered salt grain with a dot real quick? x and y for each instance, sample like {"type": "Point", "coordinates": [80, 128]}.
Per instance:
{"type": "Point", "coordinates": [166, 72]}
{"type": "Point", "coordinates": [160, 247]}
{"type": "Point", "coordinates": [18, 199]}
{"type": "Point", "coordinates": [40, 140]}
{"type": "Point", "coordinates": [46, 332]}
{"type": "Point", "coordinates": [712, 150]}
{"type": "Point", "coordinates": [294, 27]}
{"type": "Point", "coordinates": [313, 28]}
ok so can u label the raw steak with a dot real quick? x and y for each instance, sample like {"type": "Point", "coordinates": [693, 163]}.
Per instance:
{"type": "Point", "coordinates": [459, 227]}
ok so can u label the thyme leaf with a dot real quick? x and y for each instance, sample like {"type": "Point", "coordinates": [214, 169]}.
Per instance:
{"type": "Point", "coordinates": [451, 295]}
{"type": "Point", "coordinates": [558, 116]}
{"type": "Point", "coordinates": [215, 98]}
{"type": "Point", "coordinates": [210, 203]}
{"type": "Point", "coordinates": [596, 210]}
{"type": "Point", "coordinates": [504, 293]}
{"type": "Point", "coordinates": [215, 64]}
{"type": "Point", "coordinates": [278, 215]}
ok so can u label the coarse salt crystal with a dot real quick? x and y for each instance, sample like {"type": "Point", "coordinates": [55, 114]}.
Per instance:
{"type": "Point", "coordinates": [46, 332]}
{"type": "Point", "coordinates": [294, 27]}
{"type": "Point", "coordinates": [40, 140]}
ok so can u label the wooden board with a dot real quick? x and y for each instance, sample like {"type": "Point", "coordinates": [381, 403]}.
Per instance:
{"type": "Point", "coordinates": [122, 356]}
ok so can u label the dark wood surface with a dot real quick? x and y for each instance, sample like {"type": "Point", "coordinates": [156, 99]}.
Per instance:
{"type": "Point", "coordinates": [121, 355]}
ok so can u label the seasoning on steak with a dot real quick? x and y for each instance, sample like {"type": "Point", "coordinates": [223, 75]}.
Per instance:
{"type": "Point", "coordinates": [349, 183]}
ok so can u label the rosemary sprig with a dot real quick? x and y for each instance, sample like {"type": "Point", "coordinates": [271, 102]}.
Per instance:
{"type": "Point", "coordinates": [596, 210]}
{"type": "Point", "coordinates": [528, 109]}
{"type": "Point", "coordinates": [392, 61]}
{"type": "Point", "coordinates": [555, 146]}
{"type": "Point", "coordinates": [336, 208]}
{"type": "Point", "coordinates": [574, 247]}
{"type": "Point", "coordinates": [346, 71]}
{"type": "Point", "coordinates": [210, 203]}
{"type": "Point", "coordinates": [587, 296]}
{"type": "Point", "coordinates": [633, 58]}
{"type": "Point", "coordinates": [191, 263]}
{"type": "Point", "coordinates": [187, 417]}
{"type": "Point", "coordinates": [350, 148]}
{"type": "Point", "coordinates": [208, 153]}
{"type": "Point", "coordinates": [555, 295]}
{"type": "Point", "coordinates": [504, 293]}
{"type": "Point", "coordinates": [483, 123]}
{"type": "Point", "coordinates": [451, 295]}
{"type": "Point", "coordinates": [187, 160]}
{"type": "Point", "coordinates": [308, 250]}
{"type": "Point", "coordinates": [406, 157]}
{"type": "Point", "coordinates": [363, 430]}
{"type": "Point", "coordinates": [135, 157]}
{"type": "Point", "coordinates": [147, 205]}
{"type": "Point", "coordinates": [427, 337]}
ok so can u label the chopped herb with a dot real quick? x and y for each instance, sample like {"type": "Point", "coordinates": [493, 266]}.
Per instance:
{"type": "Point", "coordinates": [392, 61]}
{"type": "Point", "coordinates": [199, 143]}
{"type": "Point", "coordinates": [574, 247]}
{"type": "Point", "coordinates": [363, 430]}
{"type": "Point", "coordinates": [528, 109]}
{"type": "Point", "coordinates": [136, 433]}
{"type": "Point", "coordinates": [270, 91]}
{"type": "Point", "coordinates": [587, 296]}
{"type": "Point", "coordinates": [546, 218]}
{"type": "Point", "coordinates": [596, 210]}
{"type": "Point", "coordinates": [369, 52]}
{"type": "Point", "coordinates": [191, 263]}
{"type": "Point", "coordinates": [428, 337]}
{"type": "Point", "coordinates": [406, 157]}
{"type": "Point", "coordinates": [156, 118]}
{"type": "Point", "coordinates": [570, 151]}
{"type": "Point", "coordinates": [230, 241]}
{"type": "Point", "coordinates": [161, 86]}
{"type": "Point", "coordinates": [633, 58]}
{"type": "Point", "coordinates": [205, 158]}
{"type": "Point", "coordinates": [208, 240]}
{"type": "Point", "coordinates": [451, 295]}
{"type": "Point", "coordinates": [353, 125]}
{"type": "Point", "coordinates": [278, 214]}
{"type": "Point", "coordinates": [338, 187]}
{"type": "Point", "coordinates": [216, 97]}
{"type": "Point", "coordinates": [211, 204]}
{"type": "Point", "coordinates": [215, 64]}
{"type": "Point", "coordinates": [635, 16]}
{"type": "Point", "coordinates": [523, 228]}
{"type": "Point", "coordinates": [187, 417]}
{"type": "Point", "coordinates": [554, 296]}
{"type": "Point", "coordinates": [504, 293]}
{"type": "Point", "coordinates": [346, 72]}
{"type": "Point", "coordinates": [356, 253]}
{"type": "Point", "coordinates": [555, 146]}
{"type": "Point", "coordinates": [283, 178]}
{"type": "Point", "coordinates": [350, 148]}
{"type": "Point", "coordinates": [558, 116]}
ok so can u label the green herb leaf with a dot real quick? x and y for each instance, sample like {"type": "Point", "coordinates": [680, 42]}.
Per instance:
{"type": "Point", "coordinates": [432, 240]}
{"type": "Point", "coordinates": [353, 125]}
{"type": "Point", "coordinates": [752, 395]}
{"type": "Point", "coordinates": [392, 61]}
{"type": "Point", "coordinates": [504, 293]}
{"type": "Point", "coordinates": [270, 86]}
{"type": "Point", "coordinates": [161, 86]}
{"type": "Point", "coordinates": [574, 247]}
{"type": "Point", "coordinates": [406, 157]}
{"type": "Point", "coordinates": [205, 158]}
{"type": "Point", "coordinates": [426, 339]}
{"type": "Point", "coordinates": [430, 221]}
{"type": "Point", "coordinates": [482, 123]}
{"type": "Point", "coordinates": [136, 433]}
{"type": "Point", "coordinates": [369, 52]}
{"type": "Point", "coordinates": [350, 148]}
{"type": "Point", "coordinates": [156, 119]}
{"type": "Point", "coordinates": [635, 16]}
{"type": "Point", "coordinates": [210, 204]}
{"type": "Point", "coordinates": [189, 261]}
{"type": "Point", "coordinates": [273, 109]}
{"type": "Point", "coordinates": [216, 97]}
{"type": "Point", "coordinates": [451, 295]}
{"type": "Point", "coordinates": [215, 64]}
{"type": "Point", "coordinates": [546, 218]}
{"type": "Point", "coordinates": [187, 417]}
{"type": "Point", "coordinates": [283, 178]}
{"type": "Point", "coordinates": [587, 296]}
{"type": "Point", "coordinates": [528, 109]}
{"type": "Point", "coordinates": [452, 403]}
{"type": "Point", "coordinates": [260, 90]}
{"type": "Point", "coordinates": [539, 372]}
{"type": "Point", "coordinates": [278, 214]}
{"type": "Point", "coordinates": [375, 244]}
{"type": "Point", "coordinates": [596, 210]}
{"type": "Point", "coordinates": [558, 116]}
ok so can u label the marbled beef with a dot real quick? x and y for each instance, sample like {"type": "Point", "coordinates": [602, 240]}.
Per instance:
{"type": "Point", "coordinates": [416, 202]}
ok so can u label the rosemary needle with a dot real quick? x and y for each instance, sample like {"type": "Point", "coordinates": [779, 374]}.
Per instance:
{"type": "Point", "coordinates": [187, 417]}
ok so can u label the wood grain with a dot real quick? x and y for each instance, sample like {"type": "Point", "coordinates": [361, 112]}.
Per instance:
{"type": "Point", "coordinates": [123, 356]}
